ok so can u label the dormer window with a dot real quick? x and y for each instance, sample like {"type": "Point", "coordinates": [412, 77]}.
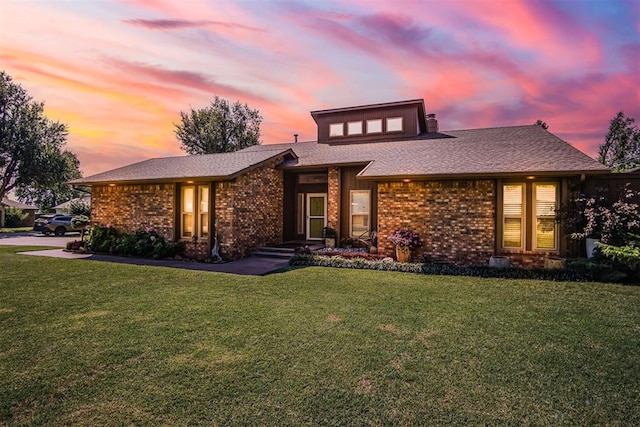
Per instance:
{"type": "Point", "coordinates": [374, 126]}
{"type": "Point", "coordinates": [336, 129]}
{"type": "Point", "coordinates": [354, 128]}
{"type": "Point", "coordinates": [394, 124]}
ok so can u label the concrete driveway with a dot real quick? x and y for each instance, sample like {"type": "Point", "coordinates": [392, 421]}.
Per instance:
{"type": "Point", "coordinates": [37, 239]}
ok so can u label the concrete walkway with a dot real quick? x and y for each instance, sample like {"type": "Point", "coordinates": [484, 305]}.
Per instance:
{"type": "Point", "coordinates": [247, 266]}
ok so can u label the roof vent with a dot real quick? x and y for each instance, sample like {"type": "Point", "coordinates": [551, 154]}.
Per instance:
{"type": "Point", "coordinates": [432, 123]}
{"type": "Point", "coordinates": [295, 137]}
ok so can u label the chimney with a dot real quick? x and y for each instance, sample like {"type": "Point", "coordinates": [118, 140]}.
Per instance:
{"type": "Point", "coordinates": [295, 137]}
{"type": "Point", "coordinates": [432, 123]}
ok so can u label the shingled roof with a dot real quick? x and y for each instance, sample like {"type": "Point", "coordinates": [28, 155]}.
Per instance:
{"type": "Point", "coordinates": [490, 152]}
{"type": "Point", "coordinates": [504, 151]}
{"type": "Point", "coordinates": [221, 166]}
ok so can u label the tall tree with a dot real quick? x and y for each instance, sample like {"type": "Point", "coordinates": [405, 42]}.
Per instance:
{"type": "Point", "coordinates": [32, 151]}
{"type": "Point", "coordinates": [218, 128]}
{"type": "Point", "coordinates": [621, 148]}
{"type": "Point", "coordinates": [64, 166]}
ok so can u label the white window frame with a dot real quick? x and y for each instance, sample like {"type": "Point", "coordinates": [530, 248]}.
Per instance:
{"type": "Point", "coordinates": [357, 128]}
{"type": "Point", "coordinates": [351, 213]}
{"type": "Point", "coordinates": [522, 216]}
{"type": "Point", "coordinates": [378, 123]}
{"type": "Point", "coordinates": [534, 216]}
{"type": "Point", "coordinates": [391, 120]}
{"type": "Point", "coordinates": [195, 212]}
{"type": "Point", "coordinates": [336, 130]}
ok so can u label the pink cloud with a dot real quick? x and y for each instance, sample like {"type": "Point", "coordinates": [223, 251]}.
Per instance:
{"type": "Point", "coordinates": [178, 24]}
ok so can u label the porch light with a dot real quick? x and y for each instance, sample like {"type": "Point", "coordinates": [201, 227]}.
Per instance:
{"type": "Point", "coordinates": [406, 180]}
{"type": "Point", "coordinates": [112, 185]}
{"type": "Point", "coordinates": [531, 177]}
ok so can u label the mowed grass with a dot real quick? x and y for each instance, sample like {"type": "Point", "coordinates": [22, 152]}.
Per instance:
{"type": "Point", "coordinates": [94, 343]}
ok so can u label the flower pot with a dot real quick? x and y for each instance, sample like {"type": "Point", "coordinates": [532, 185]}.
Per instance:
{"type": "Point", "coordinates": [403, 253]}
{"type": "Point", "coordinates": [330, 242]}
{"type": "Point", "coordinates": [591, 246]}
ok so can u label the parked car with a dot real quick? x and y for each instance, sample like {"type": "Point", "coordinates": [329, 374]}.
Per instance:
{"type": "Point", "coordinates": [40, 223]}
{"type": "Point", "coordinates": [60, 225]}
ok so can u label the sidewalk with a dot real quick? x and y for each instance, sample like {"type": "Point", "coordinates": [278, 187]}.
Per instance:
{"type": "Point", "coordinates": [247, 266]}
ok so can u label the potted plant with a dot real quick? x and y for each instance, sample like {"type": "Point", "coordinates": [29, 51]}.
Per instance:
{"type": "Point", "coordinates": [405, 241]}
{"type": "Point", "coordinates": [330, 236]}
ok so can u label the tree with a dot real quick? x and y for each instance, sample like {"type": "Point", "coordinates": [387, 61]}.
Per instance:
{"type": "Point", "coordinates": [621, 148]}
{"type": "Point", "coordinates": [218, 128]}
{"type": "Point", "coordinates": [32, 157]}
{"type": "Point", "coordinates": [542, 124]}
{"type": "Point", "coordinates": [45, 195]}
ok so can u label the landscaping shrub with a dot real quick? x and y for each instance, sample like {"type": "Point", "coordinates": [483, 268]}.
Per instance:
{"type": "Point", "coordinates": [13, 217]}
{"type": "Point", "coordinates": [145, 243]}
{"type": "Point", "coordinates": [582, 270]}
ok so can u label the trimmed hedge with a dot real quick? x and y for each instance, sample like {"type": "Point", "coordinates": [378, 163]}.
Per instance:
{"type": "Point", "coordinates": [579, 273]}
{"type": "Point", "coordinates": [145, 243]}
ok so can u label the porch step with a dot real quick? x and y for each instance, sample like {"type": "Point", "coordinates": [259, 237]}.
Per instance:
{"type": "Point", "coordinates": [271, 252]}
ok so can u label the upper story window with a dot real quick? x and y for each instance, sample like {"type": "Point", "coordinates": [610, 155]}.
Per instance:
{"type": "Point", "coordinates": [374, 126]}
{"type": "Point", "coordinates": [336, 129]}
{"type": "Point", "coordinates": [354, 128]}
{"type": "Point", "coordinates": [394, 124]}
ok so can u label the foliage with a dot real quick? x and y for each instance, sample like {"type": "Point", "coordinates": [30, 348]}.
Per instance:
{"type": "Point", "coordinates": [80, 221]}
{"type": "Point", "coordinates": [575, 272]}
{"type": "Point", "coordinates": [78, 207]}
{"type": "Point", "coordinates": [405, 238]}
{"type": "Point", "coordinates": [329, 233]}
{"type": "Point", "coordinates": [628, 254]}
{"type": "Point", "coordinates": [612, 223]}
{"type": "Point", "coordinates": [621, 148]}
{"type": "Point", "coordinates": [32, 158]}
{"type": "Point", "coordinates": [146, 243]}
{"type": "Point", "coordinates": [542, 124]}
{"type": "Point", "coordinates": [220, 127]}
{"type": "Point", "coordinates": [13, 217]}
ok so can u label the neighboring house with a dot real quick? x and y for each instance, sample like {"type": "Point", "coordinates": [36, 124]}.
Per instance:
{"type": "Point", "coordinates": [28, 209]}
{"type": "Point", "coordinates": [65, 207]}
{"type": "Point", "coordinates": [470, 194]}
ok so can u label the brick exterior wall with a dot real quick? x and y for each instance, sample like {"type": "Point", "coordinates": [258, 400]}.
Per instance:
{"type": "Point", "coordinates": [455, 219]}
{"type": "Point", "coordinates": [131, 207]}
{"type": "Point", "coordinates": [249, 211]}
{"type": "Point", "coordinates": [333, 198]}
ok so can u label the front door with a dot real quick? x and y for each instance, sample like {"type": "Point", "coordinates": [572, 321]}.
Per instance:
{"type": "Point", "coordinates": [316, 215]}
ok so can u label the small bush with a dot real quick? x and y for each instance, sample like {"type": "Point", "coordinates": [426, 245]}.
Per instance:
{"type": "Point", "coordinates": [78, 207]}
{"type": "Point", "coordinates": [145, 243]}
{"type": "Point", "coordinates": [13, 217]}
{"type": "Point", "coordinates": [340, 262]}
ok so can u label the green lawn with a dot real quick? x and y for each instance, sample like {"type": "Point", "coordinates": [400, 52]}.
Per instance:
{"type": "Point", "coordinates": [15, 229]}
{"type": "Point", "coordinates": [91, 343]}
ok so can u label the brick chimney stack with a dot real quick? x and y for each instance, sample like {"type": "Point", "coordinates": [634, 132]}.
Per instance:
{"type": "Point", "coordinates": [432, 123]}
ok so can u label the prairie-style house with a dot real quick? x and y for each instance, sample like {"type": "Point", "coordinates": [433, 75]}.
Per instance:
{"type": "Point", "coordinates": [470, 194]}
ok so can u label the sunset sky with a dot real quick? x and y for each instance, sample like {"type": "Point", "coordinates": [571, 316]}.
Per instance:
{"type": "Point", "coordinates": [119, 72]}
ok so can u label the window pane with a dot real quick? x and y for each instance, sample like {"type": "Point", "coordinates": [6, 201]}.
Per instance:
{"type": "Point", "coordinates": [359, 225]}
{"type": "Point", "coordinates": [512, 233]}
{"type": "Point", "coordinates": [187, 199]}
{"type": "Point", "coordinates": [546, 233]}
{"type": "Point", "coordinates": [204, 199]}
{"type": "Point", "coordinates": [374, 126]}
{"type": "Point", "coordinates": [315, 228]}
{"type": "Point", "coordinates": [359, 202]}
{"type": "Point", "coordinates": [354, 128]}
{"type": "Point", "coordinates": [316, 206]}
{"type": "Point", "coordinates": [204, 225]}
{"type": "Point", "coordinates": [394, 124]}
{"type": "Point", "coordinates": [187, 225]}
{"type": "Point", "coordinates": [336, 129]}
{"type": "Point", "coordinates": [512, 200]}
{"type": "Point", "coordinates": [545, 200]}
